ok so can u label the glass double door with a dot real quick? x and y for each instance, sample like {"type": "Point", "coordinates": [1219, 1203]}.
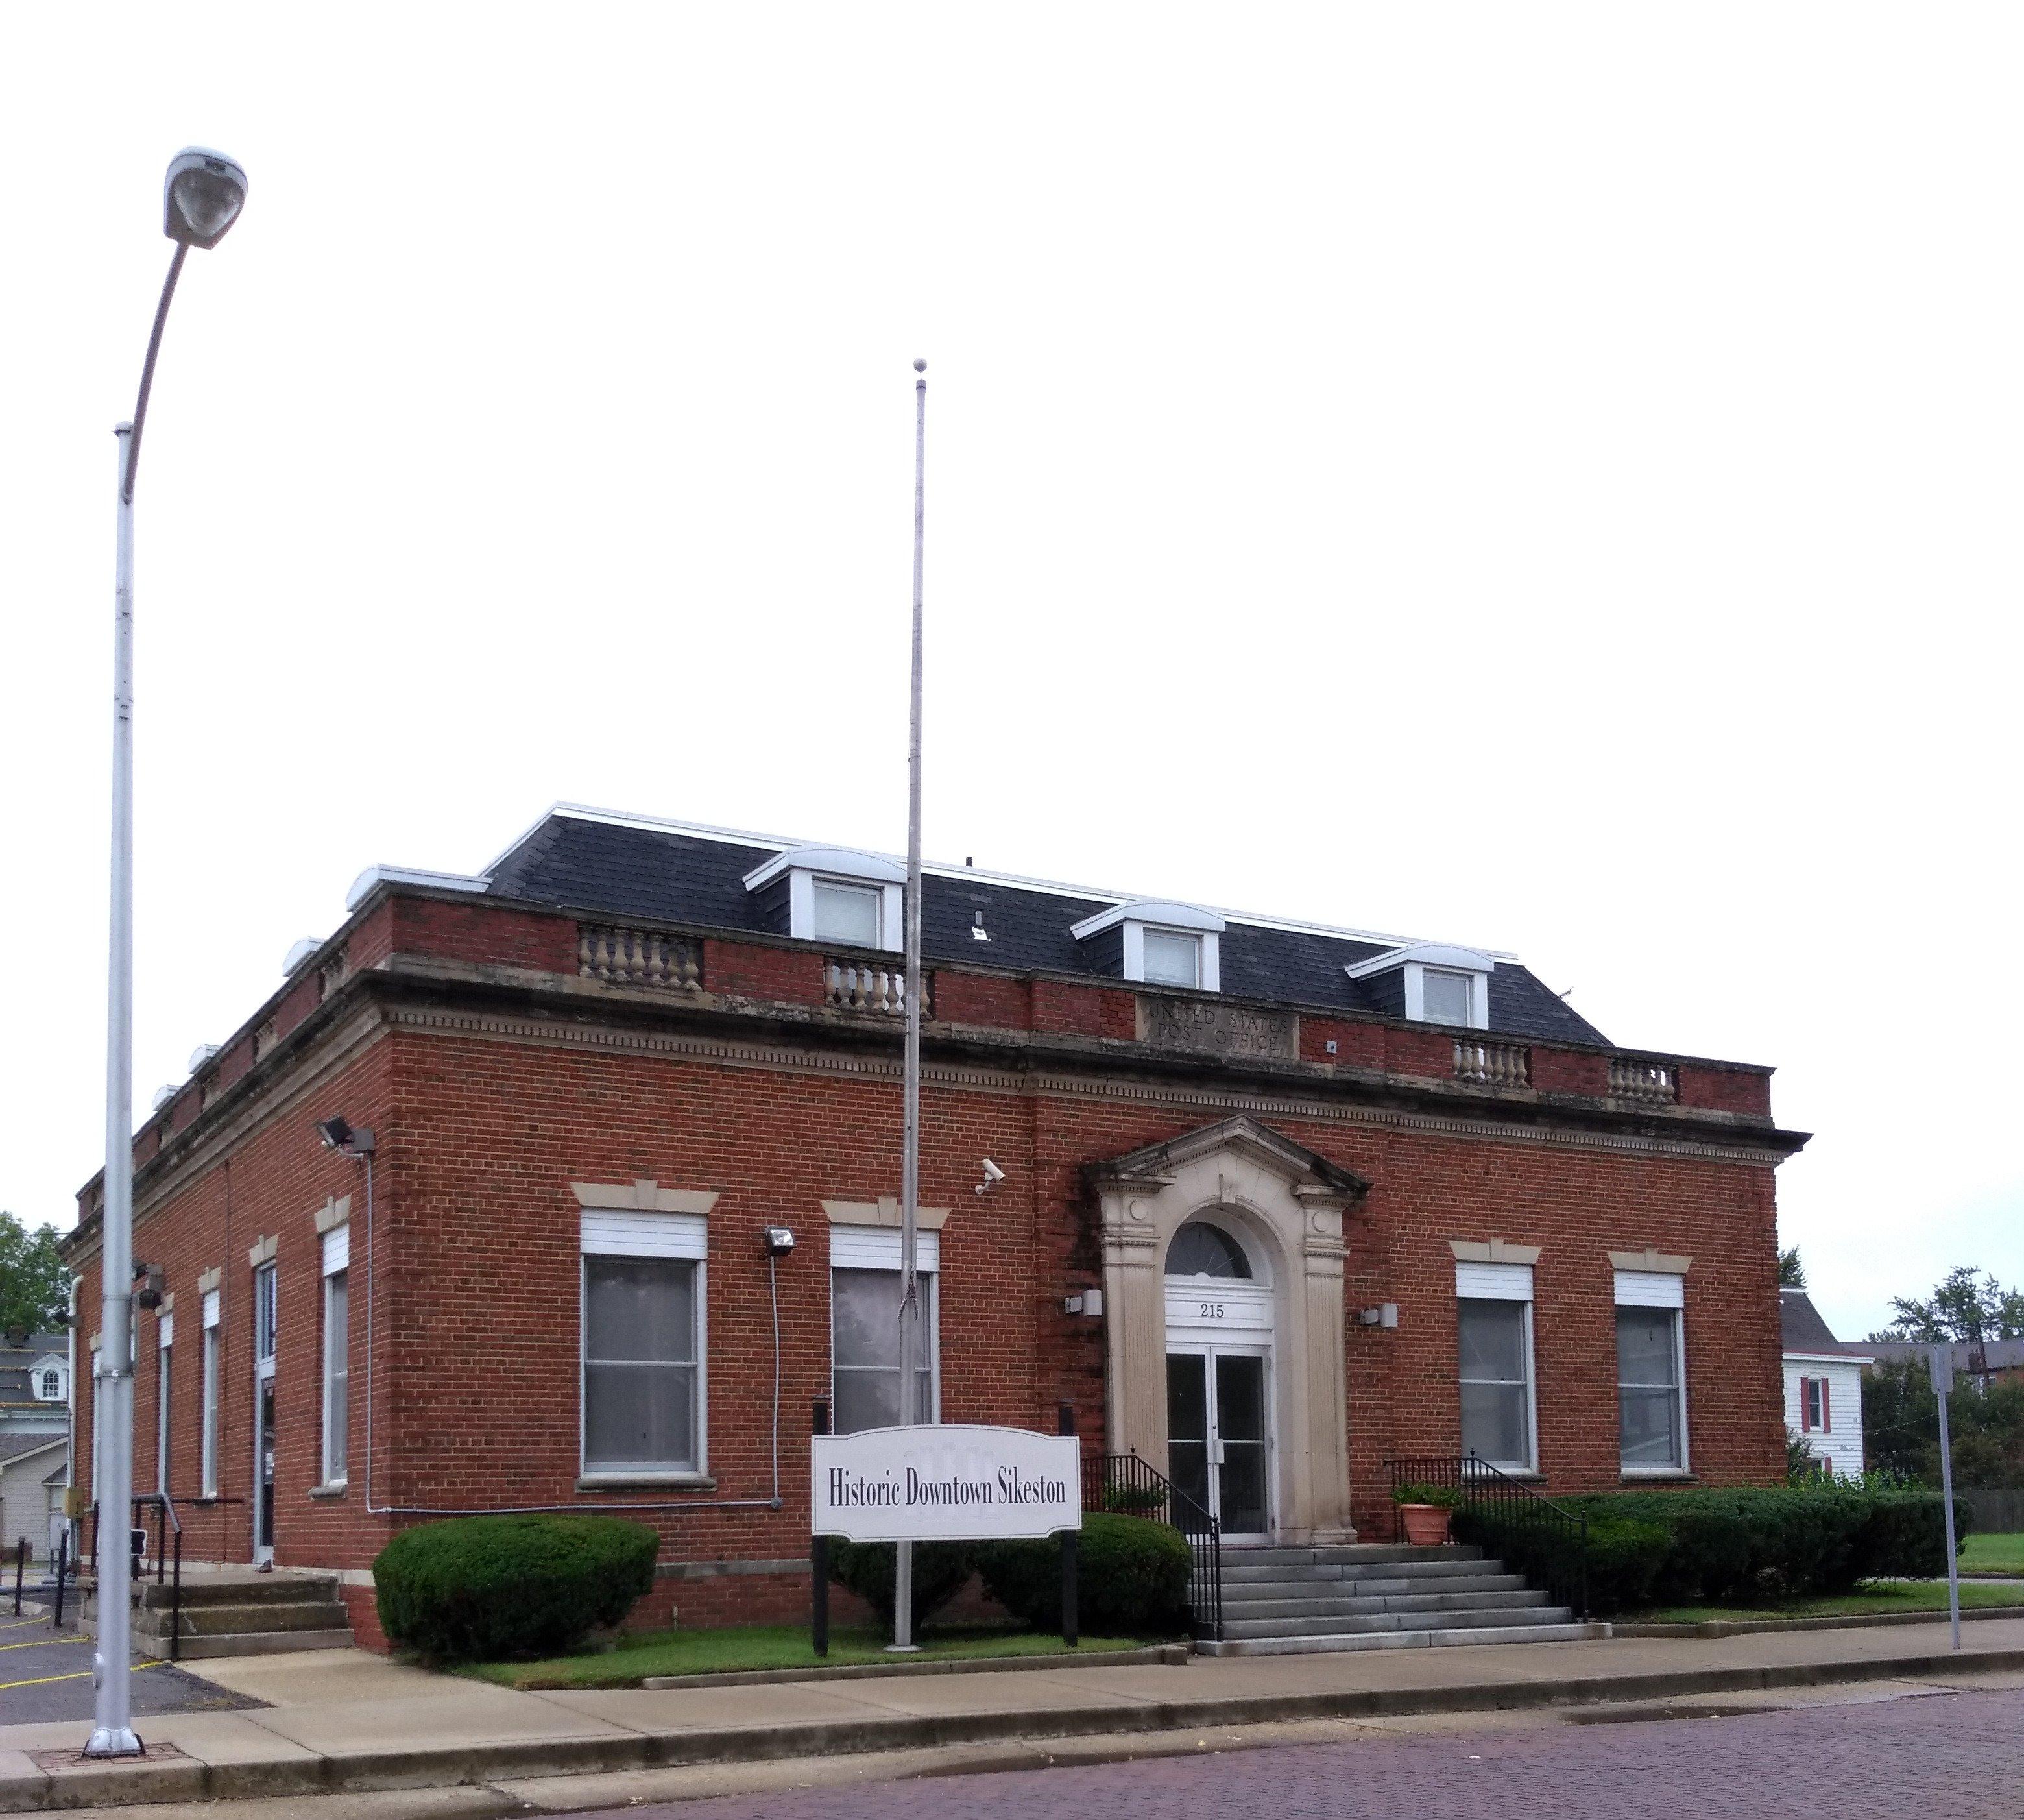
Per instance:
{"type": "Point", "coordinates": [1216, 1434]}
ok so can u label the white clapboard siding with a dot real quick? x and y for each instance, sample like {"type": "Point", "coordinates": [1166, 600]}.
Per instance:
{"type": "Point", "coordinates": [1841, 1442]}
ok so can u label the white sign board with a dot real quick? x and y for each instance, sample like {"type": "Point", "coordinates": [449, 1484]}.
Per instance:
{"type": "Point", "coordinates": [944, 1482]}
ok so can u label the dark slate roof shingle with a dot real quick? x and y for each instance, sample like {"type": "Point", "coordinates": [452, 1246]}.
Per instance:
{"type": "Point", "coordinates": [630, 869]}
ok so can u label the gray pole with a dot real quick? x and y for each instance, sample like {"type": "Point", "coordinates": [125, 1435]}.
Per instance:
{"type": "Point", "coordinates": [1941, 1361]}
{"type": "Point", "coordinates": [112, 1734]}
{"type": "Point", "coordinates": [910, 1138]}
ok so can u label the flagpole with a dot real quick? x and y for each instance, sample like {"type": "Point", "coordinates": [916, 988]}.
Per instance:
{"type": "Point", "coordinates": [910, 1140]}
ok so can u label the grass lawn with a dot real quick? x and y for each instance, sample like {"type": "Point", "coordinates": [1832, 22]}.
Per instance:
{"type": "Point", "coordinates": [1915, 1595]}
{"type": "Point", "coordinates": [762, 1646]}
{"type": "Point", "coordinates": [1993, 1554]}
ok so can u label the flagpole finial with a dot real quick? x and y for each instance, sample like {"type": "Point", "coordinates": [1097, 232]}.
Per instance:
{"type": "Point", "coordinates": [920, 366]}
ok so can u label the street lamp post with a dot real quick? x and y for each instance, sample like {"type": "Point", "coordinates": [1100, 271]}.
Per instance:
{"type": "Point", "coordinates": [201, 196]}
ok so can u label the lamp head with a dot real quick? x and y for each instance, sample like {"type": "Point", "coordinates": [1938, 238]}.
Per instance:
{"type": "Point", "coordinates": [201, 197]}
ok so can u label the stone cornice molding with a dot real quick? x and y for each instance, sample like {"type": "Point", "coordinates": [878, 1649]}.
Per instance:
{"type": "Point", "coordinates": [784, 1057]}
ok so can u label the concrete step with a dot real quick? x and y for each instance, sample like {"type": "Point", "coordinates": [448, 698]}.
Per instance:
{"type": "Point", "coordinates": [1349, 1554]}
{"type": "Point", "coordinates": [1236, 1569]}
{"type": "Point", "coordinates": [245, 1620]}
{"type": "Point", "coordinates": [246, 1589]}
{"type": "Point", "coordinates": [1319, 1586]}
{"type": "Point", "coordinates": [1478, 1619]}
{"type": "Point", "coordinates": [1555, 1632]}
{"type": "Point", "coordinates": [1254, 1611]}
{"type": "Point", "coordinates": [260, 1643]}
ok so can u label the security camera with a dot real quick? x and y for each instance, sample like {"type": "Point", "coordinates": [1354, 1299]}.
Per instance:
{"type": "Point", "coordinates": [992, 1176]}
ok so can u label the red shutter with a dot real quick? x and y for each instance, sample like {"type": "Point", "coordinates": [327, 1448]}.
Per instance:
{"type": "Point", "coordinates": [1806, 1406]}
{"type": "Point", "coordinates": [1827, 1410]}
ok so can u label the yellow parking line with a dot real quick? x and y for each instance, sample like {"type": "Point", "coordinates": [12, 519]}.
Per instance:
{"type": "Point", "coordinates": [23, 1623]}
{"type": "Point", "coordinates": [39, 1643]}
{"type": "Point", "coordinates": [82, 1675]}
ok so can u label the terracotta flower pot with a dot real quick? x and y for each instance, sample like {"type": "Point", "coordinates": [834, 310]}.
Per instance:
{"type": "Point", "coordinates": [1426, 1524]}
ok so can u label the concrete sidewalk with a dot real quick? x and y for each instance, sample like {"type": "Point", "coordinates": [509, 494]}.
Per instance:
{"type": "Point", "coordinates": [344, 1720]}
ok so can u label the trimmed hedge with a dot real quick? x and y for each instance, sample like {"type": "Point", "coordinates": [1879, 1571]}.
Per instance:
{"type": "Point", "coordinates": [1730, 1547]}
{"type": "Point", "coordinates": [869, 1569]}
{"type": "Point", "coordinates": [1131, 1577]}
{"type": "Point", "coordinates": [479, 1588]}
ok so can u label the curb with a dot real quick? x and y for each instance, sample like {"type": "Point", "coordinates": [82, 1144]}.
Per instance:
{"type": "Point", "coordinates": [1164, 1655]}
{"type": "Point", "coordinates": [1854, 1621]}
{"type": "Point", "coordinates": [182, 1780]}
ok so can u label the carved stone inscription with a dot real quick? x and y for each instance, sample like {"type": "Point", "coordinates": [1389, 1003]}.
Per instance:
{"type": "Point", "coordinates": [1222, 1029]}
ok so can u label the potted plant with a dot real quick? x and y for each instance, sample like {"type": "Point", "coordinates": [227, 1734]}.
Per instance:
{"type": "Point", "coordinates": [1425, 1512]}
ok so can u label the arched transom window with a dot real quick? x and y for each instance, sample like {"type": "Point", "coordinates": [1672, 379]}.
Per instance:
{"type": "Point", "coordinates": [1201, 1249]}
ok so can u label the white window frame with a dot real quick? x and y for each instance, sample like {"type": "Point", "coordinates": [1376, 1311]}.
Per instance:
{"type": "Point", "coordinates": [165, 1347]}
{"type": "Point", "coordinates": [1503, 1283]}
{"type": "Point", "coordinates": [334, 1464]}
{"type": "Point", "coordinates": [213, 1370]}
{"type": "Point", "coordinates": [1185, 938]}
{"type": "Point", "coordinates": [51, 1380]}
{"type": "Point", "coordinates": [616, 1232]}
{"type": "Point", "coordinates": [877, 1248]}
{"type": "Point", "coordinates": [1645, 1289]}
{"type": "Point", "coordinates": [1181, 920]}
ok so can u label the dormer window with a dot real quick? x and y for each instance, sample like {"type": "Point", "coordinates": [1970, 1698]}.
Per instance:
{"type": "Point", "coordinates": [52, 1386]}
{"type": "Point", "coordinates": [1429, 983]}
{"type": "Point", "coordinates": [1173, 944]}
{"type": "Point", "coordinates": [833, 894]}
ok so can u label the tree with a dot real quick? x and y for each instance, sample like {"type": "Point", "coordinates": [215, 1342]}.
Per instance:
{"type": "Point", "coordinates": [1901, 1427]}
{"type": "Point", "coordinates": [35, 1286]}
{"type": "Point", "coordinates": [1964, 1307]}
{"type": "Point", "coordinates": [1791, 1273]}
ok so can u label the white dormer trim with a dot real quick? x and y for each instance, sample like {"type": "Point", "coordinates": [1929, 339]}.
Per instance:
{"type": "Point", "coordinates": [361, 886]}
{"type": "Point", "coordinates": [1167, 918]}
{"type": "Point", "coordinates": [804, 866]}
{"type": "Point", "coordinates": [1442, 958]}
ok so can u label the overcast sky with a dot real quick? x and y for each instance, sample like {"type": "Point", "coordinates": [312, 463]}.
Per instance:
{"type": "Point", "coordinates": [1540, 476]}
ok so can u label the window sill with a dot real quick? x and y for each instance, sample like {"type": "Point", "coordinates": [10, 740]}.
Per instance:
{"type": "Point", "coordinates": [646, 1482]}
{"type": "Point", "coordinates": [1671, 1475]}
{"type": "Point", "coordinates": [337, 1488]}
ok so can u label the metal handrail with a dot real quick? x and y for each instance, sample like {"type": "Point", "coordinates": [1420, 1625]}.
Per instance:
{"type": "Point", "coordinates": [1133, 1486]}
{"type": "Point", "coordinates": [1553, 1539]}
{"type": "Point", "coordinates": [167, 1523]}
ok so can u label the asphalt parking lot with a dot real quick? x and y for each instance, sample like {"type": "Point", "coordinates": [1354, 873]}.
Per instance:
{"type": "Point", "coordinates": [45, 1674]}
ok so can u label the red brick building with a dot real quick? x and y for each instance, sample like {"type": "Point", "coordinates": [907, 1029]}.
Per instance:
{"type": "Point", "coordinates": [1279, 1203]}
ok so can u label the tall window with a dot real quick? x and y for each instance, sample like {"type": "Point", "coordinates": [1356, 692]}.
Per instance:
{"type": "Point", "coordinates": [265, 1312]}
{"type": "Point", "coordinates": [211, 1312]}
{"type": "Point", "coordinates": [164, 1379]}
{"type": "Point", "coordinates": [336, 1354]}
{"type": "Point", "coordinates": [1494, 1332]}
{"type": "Point", "coordinates": [1650, 1371]}
{"type": "Point", "coordinates": [864, 1328]}
{"type": "Point", "coordinates": [847, 913]}
{"type": "Point", "coordinates": [643, 1343]}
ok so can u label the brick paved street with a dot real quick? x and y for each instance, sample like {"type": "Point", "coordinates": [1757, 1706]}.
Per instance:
{"type": "Point", "coordinates": [1957, 1755]}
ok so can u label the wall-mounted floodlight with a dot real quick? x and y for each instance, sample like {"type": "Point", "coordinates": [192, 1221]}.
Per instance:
{"type": "Point", "coordinates": [201, 197]}
{"type": "Point", "coordinates": [340, 1134]}
{"type": "Point", "coordinates": [779, 1241]}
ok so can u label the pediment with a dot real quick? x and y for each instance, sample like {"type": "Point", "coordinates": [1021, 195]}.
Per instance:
{"type": "Point", "coordinates": [1299, 1167]}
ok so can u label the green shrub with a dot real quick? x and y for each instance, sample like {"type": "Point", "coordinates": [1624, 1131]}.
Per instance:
{"type": "Point", "coordinates": [478, 1588]}
{"type": "Point", "coordinates": [1131, 1577]}
{"type": "Point", "coordinates": [868, 1569]}
{"type": "Point", "coordinates": [1625, 1557]}
{"type": "Point", "coordinates": [1906, 1536]}
{"type": "Point", "coordinates": [1441, 1497]}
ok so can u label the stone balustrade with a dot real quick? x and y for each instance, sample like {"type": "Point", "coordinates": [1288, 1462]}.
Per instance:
{"type": "Point", "coordinates": [859, 986]}
{"type": "Point", "coordinates": [638, 957]}
{"type": "Point", "coordinates": [1650, 1083]}
{"type": "Point", "coordinates": [1485, 1064]}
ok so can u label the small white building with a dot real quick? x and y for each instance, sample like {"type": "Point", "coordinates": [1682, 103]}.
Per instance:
{"type": "Point", "coordinates": [1823, 1386]}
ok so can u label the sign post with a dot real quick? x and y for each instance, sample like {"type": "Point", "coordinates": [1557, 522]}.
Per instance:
{"type": "Point", "coordinates": [819, 1555]}
{"type": "Point", "coordinates": [1071, 1615]}
{"type": "Point", "coordinates": [1940, 1361]}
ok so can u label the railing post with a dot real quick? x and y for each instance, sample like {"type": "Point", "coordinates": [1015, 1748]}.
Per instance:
{"type": "Point", "coordinates": [62, 1571]}
{"type": "Point", "coordinates": [1071, 1612]}
{"type": "Point", "coordinates": [176, 1605]}
{"type": "Point", "coordinates": [819, 1551]}
{"type": "Point", "coordinates": [20, 1571]}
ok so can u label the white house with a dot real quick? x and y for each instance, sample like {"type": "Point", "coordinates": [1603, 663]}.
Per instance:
{"type": "Point", "coordinates": [1823, 1386]}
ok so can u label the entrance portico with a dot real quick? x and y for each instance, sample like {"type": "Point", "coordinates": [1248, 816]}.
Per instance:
{"type": "Point", "coordinates": [1224, 1360]}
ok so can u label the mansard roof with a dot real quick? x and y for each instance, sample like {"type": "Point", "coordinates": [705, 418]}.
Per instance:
{"type": "Point", "coordinates": [631, 866]}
